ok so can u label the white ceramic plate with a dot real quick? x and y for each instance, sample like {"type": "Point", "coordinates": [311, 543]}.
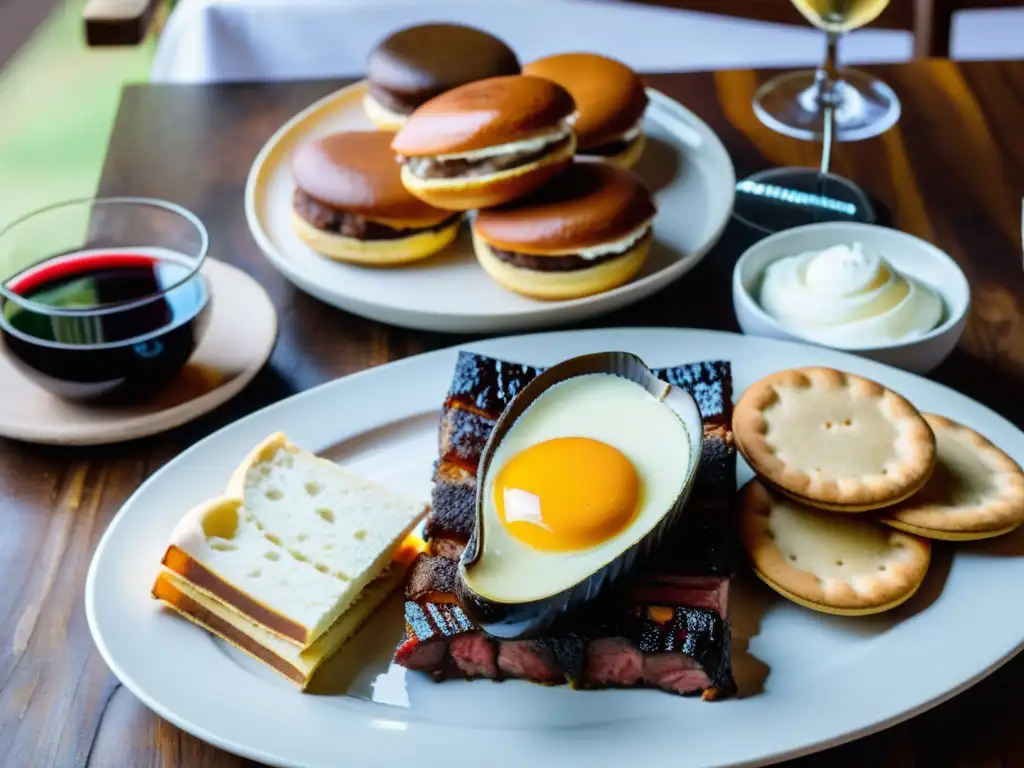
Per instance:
{"type": "Point", "coordinates": [684, 163]}
{"type": "Point", "coordinates": [831, 679]}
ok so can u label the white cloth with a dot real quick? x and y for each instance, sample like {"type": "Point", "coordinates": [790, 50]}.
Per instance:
{"type": "Point", "coordinates": [225, 40]}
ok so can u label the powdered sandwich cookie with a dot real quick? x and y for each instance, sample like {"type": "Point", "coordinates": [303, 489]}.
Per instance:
{"type": "Point", "coordinates": [848, 566]}
{"type": "Point", "coordinates": [834, 440]}
{"type": "Point", "coordinates": [975, 492]}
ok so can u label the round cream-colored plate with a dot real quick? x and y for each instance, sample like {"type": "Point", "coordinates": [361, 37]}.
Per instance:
{"type": "Point", "coordinates": [684, 163]}
{"type": "Point", "coordinates": [238, 340]}
{"type": "Point", "coordinates": [823, 679]}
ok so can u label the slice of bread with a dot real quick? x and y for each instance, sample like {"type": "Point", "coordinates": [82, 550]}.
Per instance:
{"type": "Point", "coordinates": [297, 664]}
{"type": "Point", "coordinates": [293, 541]}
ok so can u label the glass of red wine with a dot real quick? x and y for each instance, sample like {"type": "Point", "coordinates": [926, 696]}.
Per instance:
{"type": "Point", "coordinates": [102, 299]}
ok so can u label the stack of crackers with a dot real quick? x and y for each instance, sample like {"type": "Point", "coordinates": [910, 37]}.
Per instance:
{"type": "Point", "coordinates": [853, 483]}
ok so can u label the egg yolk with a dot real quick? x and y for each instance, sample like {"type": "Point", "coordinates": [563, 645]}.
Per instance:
{"type": "Point", "coordinates": [567, 493]}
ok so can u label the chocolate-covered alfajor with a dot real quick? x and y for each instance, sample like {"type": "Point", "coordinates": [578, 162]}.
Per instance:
{"type": "Point", "coordinates": [586, 232]}
{"type": "Point", "coordinates": [486, 143]}
{"type": "Point", "coordinates": [417, 63]}
{"type": "Point", "coordinates": [610, 100]}
{"type": "Point", "coordinates": [349, 203]}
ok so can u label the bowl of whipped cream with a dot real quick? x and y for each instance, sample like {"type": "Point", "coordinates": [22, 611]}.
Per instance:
{"type": "Point", "coordinates": [865, 289]}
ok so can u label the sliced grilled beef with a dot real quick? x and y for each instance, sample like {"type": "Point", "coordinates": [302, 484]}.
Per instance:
{"type": "Point", "coordinates": [530, 660]}
{"type": "Point", "coordinates": [612, 662]}
{"type": "Point", "coordinates": [675, 672]}
{"type": "Point", "coordinates": [475, 655]}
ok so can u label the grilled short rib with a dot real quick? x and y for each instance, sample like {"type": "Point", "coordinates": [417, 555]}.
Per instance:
{"type": "Point", "coordinates": [664, 627]}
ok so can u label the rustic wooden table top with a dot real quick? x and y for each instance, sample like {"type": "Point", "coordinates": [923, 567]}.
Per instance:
{"type": "Point", "coordinates": [952, 171]}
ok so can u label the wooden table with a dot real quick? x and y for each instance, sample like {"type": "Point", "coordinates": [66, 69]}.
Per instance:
{"type": "Point", "coordinates": [952, 171]}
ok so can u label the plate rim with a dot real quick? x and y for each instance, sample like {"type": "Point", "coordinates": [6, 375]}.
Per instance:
{"type": "Point", "coordinates": [546, 313]}
{"type": "Point", "coordinates": [814, 746]}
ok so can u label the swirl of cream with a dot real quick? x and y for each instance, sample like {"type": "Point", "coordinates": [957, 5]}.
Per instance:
{"type": "Point", "coordinates": [848, 297]}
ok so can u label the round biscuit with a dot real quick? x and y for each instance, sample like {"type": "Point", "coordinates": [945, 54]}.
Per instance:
{"type": "Point", "coordinates": [929, 533]}
{"type": "Point", "coordinates": [835, 611]}
{"type": "Point", "coordinates": [852, 509]}
{"type": "Point", "coordinates": [976, 490]}
{"type": "Point", "coordinates": [832, 563]}
{"type": "Point", "coordinates": [834, 438]}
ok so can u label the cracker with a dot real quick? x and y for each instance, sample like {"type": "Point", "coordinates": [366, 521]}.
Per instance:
{"type": "Point", "coordinates": [830, 563]}
{"type": "Point", "coordinates": [843, 508]}
{"type": "Point", "coordinates": [929, 533]}
{"type": "Point", "coordinates": [976, 490]}
{"type": "Point", "coordinates": [833, 438]}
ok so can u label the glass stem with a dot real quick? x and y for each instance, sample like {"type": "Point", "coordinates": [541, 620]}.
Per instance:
{"type": "Point", "coordinates": [828, 74]}
{"type": "Point", "coordinates": [828, 98]}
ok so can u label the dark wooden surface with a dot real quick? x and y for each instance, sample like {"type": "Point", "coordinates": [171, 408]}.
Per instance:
{"type": "Point", "coordinates": [952, 171]}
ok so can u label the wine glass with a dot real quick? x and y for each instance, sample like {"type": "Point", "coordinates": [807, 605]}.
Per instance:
{"type": "Point", "coordinates": [793, 103]}
{"type": "Point", "coordinates": [828, 104]}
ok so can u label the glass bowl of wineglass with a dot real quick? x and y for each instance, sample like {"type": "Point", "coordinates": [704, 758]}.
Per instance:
{"type": "Point", "coordinates": [864, 106]}
{"type": "Point", "coordinates": [102, 299]}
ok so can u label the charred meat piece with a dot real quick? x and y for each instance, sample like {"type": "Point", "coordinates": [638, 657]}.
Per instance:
{"type": "Point", "coordinates": [462, 437]}
{"type": "Point", "coordinates": [453, 498]}
{"type": "Point", "coordinates": [486, 385]}
{"type": "Point", "coordinates": [532, 660]}
{"type": "Point", "coordinates": [665, 627]}
{"type": "Point", "coordinates": [474, 655]}
{"type": "Point", "coordinates": [613, 662]}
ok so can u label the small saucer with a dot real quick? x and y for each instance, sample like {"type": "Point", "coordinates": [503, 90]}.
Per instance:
{"type": "Point", "coordinates": [241, 334]}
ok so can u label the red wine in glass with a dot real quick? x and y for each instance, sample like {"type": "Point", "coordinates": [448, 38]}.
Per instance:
{"type": "Point", "coordinates": [105, 324]}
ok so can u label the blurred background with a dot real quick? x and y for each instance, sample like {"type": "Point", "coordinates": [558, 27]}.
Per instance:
{"type": "Point", "coordinates": [63, 64]}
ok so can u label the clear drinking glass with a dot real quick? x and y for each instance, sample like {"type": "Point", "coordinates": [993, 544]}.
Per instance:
{"type": "Point", "coordinates": [103, 299]}
{"type": "Point", "coordinates": [793, 103]}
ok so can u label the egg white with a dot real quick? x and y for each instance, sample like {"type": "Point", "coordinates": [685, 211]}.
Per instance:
{"type": "Point", "coordinates": [603, 407]}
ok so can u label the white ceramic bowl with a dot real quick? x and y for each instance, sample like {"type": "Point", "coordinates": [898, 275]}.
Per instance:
{"type": "Point", "coordinates": [909, 255]}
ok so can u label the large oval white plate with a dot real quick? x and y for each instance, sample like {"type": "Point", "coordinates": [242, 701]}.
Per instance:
{"type": "Point", "coordinates": [684, 163]}
{"type": "Point", "coordinates": [831, 679]}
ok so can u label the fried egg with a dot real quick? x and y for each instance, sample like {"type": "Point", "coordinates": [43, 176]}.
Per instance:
{"type": "Point", "coordinates": [586, 471]}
